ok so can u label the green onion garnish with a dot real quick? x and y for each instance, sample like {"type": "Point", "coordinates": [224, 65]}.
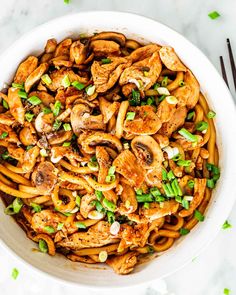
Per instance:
{"type": "Point", "coordinates": [198, 215]}
{"type": "Point", "coordinates": [112, 170]}
{"type": "Point", "coordinates": [60, 226]}
{"type": "Point", "coordinates": [106, 60]}
{"type": "Point", "coordinates": [176, 184]}
{"type": "Point", "coordinates": [3, 135]}
{"type": "Point", "coordinates": [56, 108]}
{"type": "Point", "coordinates": [18, 85]}
{"type": "Point", "coordinates": [47, 110]}
{"type": "Point", "coordinates": [190, 115]}
{"type": "Point", "coordinates": [226, 291]}
{"type": "Point", "coordinates": [184, 163]}
{"type": "Point", "coordinates": [211, 115]}
{"type": "Point", "coordinates": [164, 174]}
{"type": "Point", "coordinates": [109, 205]}
{"type": "Point", "coordinates": [67, 127]}
{"type": "Point", "coordinates": [214, 14]}
{"type": "Point", "coordinates": [34, 100]}
{"type": "Point", "coordinates": [184, 231]}
{"type": "Point", "coordinates": [178, 199]}
{"type": "Point", "coordinates": [29, 117]}
{"type": "Point", "coordinates": [49, 229]}
{"type": "Point", "coordinates": [130, 116]}
{"type": "Point", "coordinates": [36, 207]}
{"type": "Point", "coordinates": [160, 199]}
{"type": "Point", "coordinates": [66, 1]}
{"type": "Point", "coordinates": [161, 98]}
{"type": "Point", "coordinates": [110, 217]}
{"type": "Point", "coordinates": [201, 126]}
{"type": "Point", "coordinates": [214, 169]}
{"type": "Point", "coordinates": [156, 85]}
{"type": "Point", "coordinates": [185, 204]}
{"type": "Point", "coordinates": [22, 94]}
{"type": "Point", "coordinates": [43, 247]}
{"type": "Point", "coordinates": [46, 79]}
{"type": "Point", "coordinates": [110, 178]}
{"type": "Point", "coordinates": [98, 205]}
{"type": "Point", "coordinates": [9, 210]}
{"type": "Point", "coordinates": [154, 191]}
{"type": "Point", "coordinates": [170, 175]}
{"type": "Point", "coordinates": [191, 183]}
{"type": "Point", "coordinates": [5, 155]}
{"type": "Point", "coordinates": [14, 273]}
{"type": "Point", "coordinates": [181, 83]}
{"type": "Point", "coordinates": [57, 124]}
{"type": "Point", "coordinates": [5, 104]}
{"type": "Point", "coordinates": [80, 225]}
{"type": "Point", "coordinates": [210, 183]}
{"type": "Point", "coordinates": [226, 225]}
{"type": "Point", "coordinates": [168, 190]}
{"type": "Point", "coordinates": [77, 200]}
{"type": "Point", "coordinates": [99, 195]}
{"type": "Point", "coordinates": [78, 85]}
{"type": "Point", "coordinates": [139, 191]}
{"type": "Point", "coordinates": [146, 205]}
{"type": "Point", "coordinates": [29, 147]}
{"type": "Point", "coordinates": [65, 81]}
{"type": "Point", "coordinates": [187, 135]}
{"type": "Point", "coordinates": [66, 143]}
{"type": "Point", "coordinates": [135, 101]}
{"type": "Point", "coordinates": [93, 166]}
{"type": "Point", "coordinates": [90, 90]}
{"type": "Point", "coordinates": [150, 101]}
{"type": "Point", "coordinates": [164, 82]}
{"type": "Point", "coordinates": [144, 198]}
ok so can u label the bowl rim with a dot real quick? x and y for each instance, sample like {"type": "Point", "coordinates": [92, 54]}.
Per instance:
{"type": "Point", "coordinates": [227, 208]}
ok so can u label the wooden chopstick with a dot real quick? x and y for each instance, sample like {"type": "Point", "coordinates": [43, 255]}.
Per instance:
{"type": "Point", "coordinates": [232, 63]}
{"type": "Point", "coordinates": [223, 70]}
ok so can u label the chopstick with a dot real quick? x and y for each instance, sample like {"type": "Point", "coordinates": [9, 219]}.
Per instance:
{"type": "Point", "coordinates": [223, 70]}
{"type": "Point", "coordinates": [232, 64]}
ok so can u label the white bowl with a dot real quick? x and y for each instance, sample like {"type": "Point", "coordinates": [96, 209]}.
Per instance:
{"type": "Point", "coordinates": [145, 30]}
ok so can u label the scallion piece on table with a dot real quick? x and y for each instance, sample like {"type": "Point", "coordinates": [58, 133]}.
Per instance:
{"type": "Point", "coordinates": [78, 85]}
{"type": "Point", "coordinates": [43, 247]}
{"type": "Point", "coordinates": [34, 100]}
{"type": "Point", "coordinates": [214, 14]}
{"type": "Point", "coordinates": [226, 291]}
{"type": "Point", "coordinates": [109, 205]}
{"type": "Point", "coordinates": [14, 273]}
{"type": "Point", "coordinates": [130, 116]}
{"type": "Point", "coordinates": [198, 215]}
{"type": "Point", "coordinates": [188, 135]}
{"type": "Point", "coordinates": [201, 126]}
{"type": "Point", "coordinates": [226, 225]}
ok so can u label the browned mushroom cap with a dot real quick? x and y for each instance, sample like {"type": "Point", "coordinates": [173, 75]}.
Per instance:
{"type": "Point", "coordinates": [81, 119]}
{"type": "Point", "coordinates": [45, 177]}
{"type": "Point", "coordinates": [117, 37]}
{"type": "Point", "coordinates": [147, 150]}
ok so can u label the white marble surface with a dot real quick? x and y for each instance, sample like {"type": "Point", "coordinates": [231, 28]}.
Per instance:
{"type": "Point", "coordinates": [215, 268]}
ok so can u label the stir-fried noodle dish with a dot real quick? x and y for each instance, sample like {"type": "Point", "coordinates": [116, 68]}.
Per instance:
{"type": "Point", "coordinates": [108, 149]}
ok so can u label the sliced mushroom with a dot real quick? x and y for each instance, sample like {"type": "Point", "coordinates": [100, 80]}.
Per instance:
{"type": "Point", "coordinates": [108, 109]}
{"type": "Point", "coordinates": [45, 177]}
{"type": "Point", "coordinates": [105, 48]}
{"type": "Point", "coordinates": [59, 137]}
{"type": "Point", "coordinates": [171, 60]}
{"type": "Point", "coordinates": [35, 76]}
{"type": "Point", "coordinates": [44, 122]}
{"type": "Point", "coordinates": [15, 105]}
{"type": "Point", "coordinates": [25, 69]}
{"type": "Point", "coordinates": [78, 52]}
{"type": "Point", "coordinates": [82, 119]}
{"type": "Point", "coordinates": [147, 151]}
{"type": "Point", "coordinates": [117, 37]}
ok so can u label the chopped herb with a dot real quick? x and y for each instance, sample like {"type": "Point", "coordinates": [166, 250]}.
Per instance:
{"type": "Point", "coordinates": [168, 190]}
{"type": "Point", "coordinates": [109, 205]}
{"type": "Point", "coordinates": [99, 195]}
{"type": "Point", "coordinates": [34, 100]}
{"type": "Point", "coordinates": [47, 110]}
{"type": "Point", "coordinates": [156, 85]}
{"type": "Point", "coordinates": [226, 225]}
{"type": "Point", "coordinates": [160, 199]}
{"type": "Point", "coordinates": [190, 115]}
{"type": "Point", "coordinates": [164, 174]}
{"type": "Point", "coordinates": [187, 135]}
{"type": "Point", "coordinates": [78, 85]}
{"type": "Point", "coordinates": [214, 14]}
{"type": "Point", "coordinates": [110, 178]}
{"type": "Point", "coordinates": [146, 205]}
{"type": "Point", "coordinates": [170, 175]}
{"type": "Point", "coordinates": [110, 217]}
{"type": "Point", "coordinates": [67, 127]}
{"type": "Point", "coordinates": [98, 205]}
{"type": "Point", "coordinates": [36, 207]}
{"type": "Point", "coordinates": [5, 104]}
{"type": "Point", "coordinates": [46, 79]}
{"type": "Point", "coordinates": [181, 83]}
{"type": "Point", "coordinates": [29, 147]}
{"type": "Point", "coordinates": [191, 183]}
{"type": "Point", "coordinates": [184, 231]}
{"type": "Point", "coordinates": [56, 108]}
{"type": "Point", "coordinates": [211, 115]}
{"type": "Point", "coordinates": [155, 192]}
{"type": "Point", "coordinates": [93, 166]}
{"type": "Point", "coordinates": [3, 135]}
{"type": "Point", "coordinates": [78, 201]}
{"type": "Point", "coordinates": [161, 98]}
{"type": "Point", "coordinates": [151, 250]}
{"type": "Point", "coordinates": [90, 90]}
{"type": "Point", "coordinates": [22, 94]}
{"type": "Point", "coordinates": [214, 169]}
{"type": "Point", "coordinates": [57, 124]}
{"type": "Point", "coordinates": [66, 143]}
{"type": "Point", "coordinates": [135, 101]}
{"type": "Point", "coordinates": [66, 1]}
{"type": "Point", "coordinates": [226, 291]}
{"type": "Point", "coordinates": [106, 60]}
{"type": "Point", "coordinates": [184, 163]}
{"type": "Point", "coordinates": [14, 273]}
{"type": "Point", "coordinates": [130, 116]}
{"type": "Point", "coordinates": [80, 225]}
{"type": "Point", "coordinates": [139, 191]}
{"type": "Point", "coordinates": [65, 81]}
{"type": "Point", "coordinates": [178, 199]}
{"type": "Point", "coordinates": [210, 183]}
{"type": "Point", "coordinates": [198, 215]}
{"type": "Point", "coordinates": [150, 101]}
{"type": "Point", "coordinates": [185, 204]}
{"type": "Point", "coordinates": [164, 82]}
{"type": "Point", "coordinates": [43, 247]}
{"type": "Point", "coordinates": [49, 229]}
{"type": "Point", "coordinates": [29, 116]}
{"type": "Point", "coordinates": [18, 85]}
{"type": "Point", "coordinates": [145, 198]}
{"type": "Point", "coordinates": [112, 170]}
{"type": "Point", "coordinates": [201, 126]}
{"type": "Point", "coordinates": [60, 226]}
{"type": "Point", "coordinates": [5, 155]}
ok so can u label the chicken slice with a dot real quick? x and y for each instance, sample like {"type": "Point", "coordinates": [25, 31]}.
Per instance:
{"type": "Point", "coordinates": [166, 110]}
{"type": "Point", "coordinates": [15, 105]}
{"type": "Point", "coordinates": [156, 211]}
{"type": "Point", "coordinates": [143, 52]}
{"type": "Point", "coordinates": [7, 119]}
{"type": "Point", "coordinates": [25, 69]}
{"type": "Point", "coordinates": [123, 264]}
{"type": "Point", "coordinates": [129, 202]}
{"type": "Point", "coordinates": [105, 47]}
{"type": "Point", "coordinates": [35, 76]}
{"type": "Point", "coordinates": [171, 60]}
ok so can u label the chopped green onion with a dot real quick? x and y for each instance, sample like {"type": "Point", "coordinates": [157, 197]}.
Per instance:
{"type": "Point", "coordinates": [210, 183]}
{"type": "Point", "coordinates": [226, 291]}
{"type": "Point", "coordinates": [29, 147]}
{"type": "Point", "coordinates": [36, 207]}
{"type": "Point", "coordinates": [47, 110]}
{"type": "Point", "coordinates": [216, 177]}
{"type": "Point", "coordinates": [77, 200]}
{"type": "Point", "coordinates": [144, 198]}
{"type": "Point", "coordinates": [22, 94]}
{"type": "Point", "coordinates": [112, 170]}
{"type": "Point", "coordinates": [190, 115]}
{"type": "Point", "coordinates": [90, 90]}
{"type": "Point", "coordinates": [214, 14]}
{"type": "Point", "coordinates": [99, 195]}
{"type": "Point", "coordinates": [161, 98]}
{"type": "Point", "coordinates": [226, 225]}
{"type": "Point", "coordinates": [78, 85]}
{"type": "Point", "coordinates": [109, 205]}
{"type": "Point", "coordinates": [110, 217]}
{"type": "Point", "coordinates": [46, 79]}
{"type": "Point", "coordinates": [43, 247]}
{"type": "Point", "coordinates": [185, 204]}
{"type": "Point", "coordinates": [201, 126]}
{"type": "Point", "coordinates": [98, 205]}
{"type": "Point", "coordinates": [57, 124]}
{"type": "Point", "coordinates": [80, 225]}
{"type": "Point", "coordinates": [60, 226]}
{"type": "Point", "coordinates": [66, 1]}
{"type": "Point", "coordinates": [154, 191]}
{"type": "Point", "coordinates": [170, 175]}
{"type": "Point", "coordinates": [29, 117]}
{"type": "Point", "coordinates": [65, 81]}
{"type": "Point", "coordinates": [67, 127]}
{"type": "Point", "coordinates": [168, 190]}
{"type": "Point", "coordinates": [160, 199]}
{"type": "Point", "coordinates": [110, 178]}
{"type": "Point", "coordinates": [191, 183]}
{"type": "Point", "coordinates": [130, 116]}
{"type": "Point", "coordinates": [17, 205]}
{"type": "Point", "coordinates": [135, 101]}
{"type": "Point", "coordinates": [214, 169]}
{"type": "Point", "coordinates": [34, 100]}
{"type": "Point", "coordinates": [164, 82]}
{"type": "Point", "coordinates": [178, 199]}
{"type": "Point", "coordinates": [211, 115]}
{"type": "Point", "coordinates": [184, 163]}
{"type": "Point", "coordinates": [5, 104]}
{"type": "Point", "coordinates": [5, 155]}
{"type": "Point", "coordinates": [3, 135]}
{"type": "Point", "coordinates": [187, 135]}
{"type": "Point", "coordinates": [139, 191]}
{"type": "Point", "coordinates": [164, 175]}
{"type": "Point", "coordinates": [176, 158]}
{"type": "Point", "coordinates": [150, 101]}
{"type": "Point", "coordinates": [9, 210]}
{"type": "Point", "coordinates": [146, 205]}
{"type": "Point", "coordinates": [198, 215]}
{"type": "Point", "coordinates": [146, 73]}
{"type": "Point", "coordinates": [14, 273]}
{"type": "Point", "coordinates": [156, 85]}
{"type": "Point", "coordinates": [102, 256]}
{"type": "Point", "coordinates": [106, 60]}
{"type": "Point", "coordinates": [93, 166]}
{"type": "Point", "coordinates": [181, 83]}
{"type": "Point", "coordinates": [43, 153]}
{"type": "Point", "coordinates": [56, 108]}
{"type": "Point", "coordinates": [18, 85]}
{"type": "Point", "coordinates": [66, 143]}
{"type": "Point", "coordinates": [174, 188]}
{"type": "Point", "coordinates": [184, 231]}
{"type": "Point", "coordinates": [49, 229]}
{"type": "Point", "coordinates": [150, 249]}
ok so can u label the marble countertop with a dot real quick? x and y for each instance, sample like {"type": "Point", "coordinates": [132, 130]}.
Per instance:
{"type": "Point", "coordinates": [215, 268]}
